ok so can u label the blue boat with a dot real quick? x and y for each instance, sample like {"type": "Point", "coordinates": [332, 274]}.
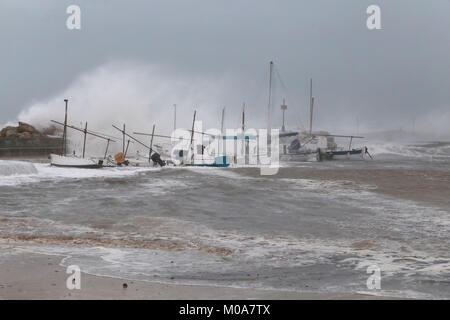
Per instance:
{"type": "Point", "coordinates": [219, 162]}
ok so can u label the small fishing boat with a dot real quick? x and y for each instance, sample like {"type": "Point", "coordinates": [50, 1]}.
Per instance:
{"type": "Point", "coordinates": [71, 161]}
{"type": "Point", "coordinates": [74, 162]}
{"type": "Point", "coordinates": [219, 162]}
{"type": "Point", "coordinates": [358, 153]}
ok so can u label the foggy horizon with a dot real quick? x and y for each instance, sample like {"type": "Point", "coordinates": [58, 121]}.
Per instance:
{"type": "Point", "coordinates": [135, 60]}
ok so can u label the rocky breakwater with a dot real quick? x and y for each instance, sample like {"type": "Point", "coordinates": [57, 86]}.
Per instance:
{"type": "Point", "coordinates": [26, 141]}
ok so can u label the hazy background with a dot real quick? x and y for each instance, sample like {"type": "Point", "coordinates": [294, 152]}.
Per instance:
{"type": "Point", "coordinates": [132, 60]}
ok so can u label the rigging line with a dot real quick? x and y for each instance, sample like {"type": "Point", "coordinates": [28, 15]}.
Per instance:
{"type": "Point", "coordinates": [297, 107]}
{"type": "Point", "coordinates": [281, 80]}
{"type": "Point", "coordinates": [83, 130]}
{"type": "Point", "coordinates": [106, 135]}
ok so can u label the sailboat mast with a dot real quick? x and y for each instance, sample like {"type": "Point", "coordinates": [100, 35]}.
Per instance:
{"type": "Point", "coordinates": [223, 118]}
{"type": "Point", "coordinates": [84, 143]}
{"type": "Point", "coordinates": [243, 130]}
{"type": "Point", "coordinates": [192, 137]}
{"type": "Point", "coordinates": [175, 117]}
{"type": "Point", "coordinates": [151, 145]}
{"type": "Point", "coordinates": [270, 98]}
{"type": "Point", "coordinates": [311, 107]}
{"type": "Point", "coordinates": [221, 144]}
{"type": "Point", "coordinates": [106, 151]}
{"type": "Point", "coordinates": [243, 118]}
{"type": "Point", "coordinates": [65, 130]}
{"type": "Point", "coordinates": [123, 139]}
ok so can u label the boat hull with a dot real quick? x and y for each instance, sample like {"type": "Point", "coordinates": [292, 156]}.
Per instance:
{"type": "Point", "coordinates": [354, 154]}
{"type": "Point", "coordinates": [73, 162]}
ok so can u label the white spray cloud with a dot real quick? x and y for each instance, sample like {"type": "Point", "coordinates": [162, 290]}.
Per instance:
{"type": "Point", "coordinates": [134, 94]}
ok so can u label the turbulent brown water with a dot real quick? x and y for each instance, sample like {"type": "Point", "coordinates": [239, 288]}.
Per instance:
{"type": "Point", "coordinates": [313, 226]}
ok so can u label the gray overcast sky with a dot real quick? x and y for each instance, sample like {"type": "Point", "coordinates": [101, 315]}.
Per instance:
{"type": "Point", "coordinates": [384, 77]}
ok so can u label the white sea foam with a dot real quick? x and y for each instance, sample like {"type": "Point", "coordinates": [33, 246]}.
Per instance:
{"type": "Point", "coordinates": [416, 151]}
{"type": "Point", "coordinates": [14, 168]}
{"type": "Point", "coordinates": [20, 172]}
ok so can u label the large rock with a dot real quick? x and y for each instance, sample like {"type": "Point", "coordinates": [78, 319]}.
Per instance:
{"type": "Point", "coordinates": [22, 131]}
{"type": "Point", "coordinates": [25, 127]}
{"type": "Point", "coordinates": [8, 132]}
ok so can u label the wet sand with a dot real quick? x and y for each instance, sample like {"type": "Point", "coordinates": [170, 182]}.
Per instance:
{"type": "Point", "coordinates": [26, 275]}
{"type": "Point", "coordinates": [430, 186]}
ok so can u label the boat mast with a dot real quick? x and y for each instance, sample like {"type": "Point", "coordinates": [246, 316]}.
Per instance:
{"type": "Point", "coordinates": [270, 99]}
{"type": "Point", "coordinates": [221, 145]}
{"type": "Point", "coordinates": [175, 117]}
{"type": "Point", "coordinates": [283, 108]}
{"type": "Point", "coordinates": [65, 130]}
{"type": "Point", "coordinates": [192, 137]}
{"type": "Point", "coordinates": [151, 143]}
{"type": "Point", "coordinates": [84, 143]}
{"type": "Point", "coordinates": [123, 139]}
{"type": "Point", "coordinates": [106, 151]}
{"type": "Point", "coordinates": [243, 118]}
{"type": "Point", "coordinates": [126, 150]}
{"type": "Point", "coordinates": [311, 107]}
{"type": "Point", "coordinates": [223, 118]}
{"type": "Point", "coordinates": [244, 144]}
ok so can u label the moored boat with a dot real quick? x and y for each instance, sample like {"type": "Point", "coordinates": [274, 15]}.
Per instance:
{"type": "Point", "coordinates": [74, 162]}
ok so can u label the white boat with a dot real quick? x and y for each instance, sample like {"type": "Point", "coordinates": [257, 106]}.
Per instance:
{"type": "Point", "coordinates": [74, 162]}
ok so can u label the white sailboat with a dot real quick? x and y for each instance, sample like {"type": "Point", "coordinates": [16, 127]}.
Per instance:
{"type": "Point", "coordinates": [72, 161]}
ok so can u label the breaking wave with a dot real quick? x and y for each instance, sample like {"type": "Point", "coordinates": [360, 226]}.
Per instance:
{"type": "Point", "coordinates": [13, 168]}
{"type": "Point", "coordinates": [439, 151]}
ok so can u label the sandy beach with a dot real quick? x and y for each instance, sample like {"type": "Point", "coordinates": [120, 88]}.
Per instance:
{"type": "Point", "coordinates": [34, 276]}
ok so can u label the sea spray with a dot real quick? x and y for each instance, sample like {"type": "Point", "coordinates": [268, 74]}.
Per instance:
{"type": "Point", "coordinates": [138, 95]}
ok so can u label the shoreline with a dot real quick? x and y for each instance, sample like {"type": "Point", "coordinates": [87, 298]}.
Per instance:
{"type": "Point", "coordinates": [38, 276]}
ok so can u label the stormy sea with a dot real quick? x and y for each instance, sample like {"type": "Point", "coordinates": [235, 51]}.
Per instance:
{"type": "Point", "coordinates": [314, 226]}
